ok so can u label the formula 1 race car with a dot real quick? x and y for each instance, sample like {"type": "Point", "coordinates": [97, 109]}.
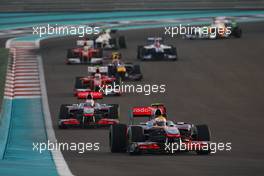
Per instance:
{"type": "Point", "coordinates": [98, 83]}
{"type": "Point", "coordinates": [123, 71]}
{"type": "Point", "coordinates": [88, 114]}
{"type": "Point", "coordinates": [157, 134]}
{"type": "Point", "coordinates": [109, 39]}
{"type": "Point", "coordinates": [85, 53]}
{"type": "Point", "coordinates": [221, 27]}
{"type": "Point", "coordinates": [155, 50]}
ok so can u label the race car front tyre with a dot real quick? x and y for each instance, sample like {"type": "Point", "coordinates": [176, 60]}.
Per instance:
{"type": "Point", "coordinates": [203, 134]}
{"type": "Point", "coordinates": [63, 115]}
{"type": "Point", "coordinates": [118, 138]}
{"type": "Point", "coordinates": [136, 134]}
{"type": "Point", "coordinates": [78, 83]}
{"type": "Point", "coordinates": [122, 42]}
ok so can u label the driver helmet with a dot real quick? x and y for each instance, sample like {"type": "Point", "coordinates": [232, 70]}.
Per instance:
{"type": "Point", "coordinates": [97, 76]}
{"type": "Point", "coordinates": [160, 121]}
{"type": "Point", "coordinates": [157, 43]}
{"type": "Point", "coordinates": [90, 102]}
{"type": "Point", "coordinates": [86, 47]}
{"type": "Point", "coordinates": [116, 55]}
{"type": "Point", "coordinates": [157, 113]}
{"type": "Point", "coordinates": [89, 97]}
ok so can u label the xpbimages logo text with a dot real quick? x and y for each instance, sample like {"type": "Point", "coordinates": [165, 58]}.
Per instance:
{"type": "Point", "coordinates": [80, 147]}
{"type": "Point", "coordinates": [183, 30]}
{"type": "Point", "coordinates": [213, 147]}
{"type": "Point", "coordinates": [145, 89]}
{"type": "Point", "coordinates": [79, 30]}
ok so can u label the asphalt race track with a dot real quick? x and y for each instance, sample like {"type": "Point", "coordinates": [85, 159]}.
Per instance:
{"type": "Point", "coordinates": [217, 82]}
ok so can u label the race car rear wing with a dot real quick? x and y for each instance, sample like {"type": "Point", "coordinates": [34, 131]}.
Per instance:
{"type": "Point", "coordinates": [142, 111]}
{"type": "Point", "coordinates": [154, 39]}
{"type": "Point", "coordinates": [151, 40]}
{"type": "Point", "coordinates": [137, 113]}
{"type": "Point", "coordinates": [83, 42]}
{"type": "Point", "coordinates": [101, 69]}
{"type": "Point", "coordinates": [84, 94]}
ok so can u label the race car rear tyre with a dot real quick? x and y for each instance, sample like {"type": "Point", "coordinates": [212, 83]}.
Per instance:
{"type": "Point", "coordinates": [113, 43]}
{"type": "Point", "coordinates": [174, 52]}
{"type": "Point", "coordinates": [139, 52]}
{"type": "Point", "coordinates": [137, 73]}
{"type": "Point", "coordinates": [112, 70]}
{"type": "Point", "coordinates": [137, 69]}
{"type": "Point", "coordinates": [122, 42]}
{"type": "Point", "coordinates": [203, 134]}
{"type": "Point", "coordinates": [114, 111]}
{"type": "Point", "coordinates": [70, 53]}
{"type": "Point", "coordinates": [99, 54]}
{"type": "Point", "coordinates": [118, 138]}
{"type": "Point", "coordinates": [237, 32]}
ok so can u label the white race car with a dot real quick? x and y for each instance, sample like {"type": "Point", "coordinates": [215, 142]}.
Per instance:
{"type": "Point", "coordinates": [109, 39]}
{"type": "Point", "coordinates": [221, 27]}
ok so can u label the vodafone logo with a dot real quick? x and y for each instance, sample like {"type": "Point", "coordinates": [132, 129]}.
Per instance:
{"type": "Point", "coordinates": [141, 110]}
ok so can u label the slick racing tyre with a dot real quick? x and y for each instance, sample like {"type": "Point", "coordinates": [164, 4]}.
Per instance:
{"type": "Point", "coordinates": [137, 73]}
{"type": "Point", "coordinates": [114, 111]}
{"type": "Point", "coordinates": [78, 83]}
{"type": "Point", "coordinates": [122, 42]}
{"type": "Point", "coordinates": [139, 52]}
{"type": "Point", "coordinates": [203, 134]}
{"type": "Point", "coordinates": [237, 32]}
{"type": "Point", "coordinates": [136, 134]}
{"type": "Point", "coordinates": [63, 114]}
{"type": "Point", "coordinates": [71, 54]}
{"type": "Point", "coordinates": [118, 138]}
{"type": "Point", "coordinates": [113, 43]}
{"type": "Point", "coordinates": [137, 69]}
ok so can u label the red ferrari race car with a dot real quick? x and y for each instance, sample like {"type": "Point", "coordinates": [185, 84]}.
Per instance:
{"type": "Point", "coordinates": [88, 114]}
{"type": "Point", "coordinates": [97, 84]}
{"type": "Point", "coordinates": [85, 53]}
{"type": "Point", "coordinates": [157, 134]}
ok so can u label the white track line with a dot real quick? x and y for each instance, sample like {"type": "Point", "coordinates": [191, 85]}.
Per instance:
{"type": "Point", "coordinates": [26, 77]}
{"type": "Point", "coordinates": [26, 81]}
{"type": "Point", "coordinates": [26, 89]}
{"type": "Point", "coordinates": [26, 74]}
{"type": "Point", "coordinates": [58, 158]}
{"type": "Point", "coordinates": [18, 84]}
